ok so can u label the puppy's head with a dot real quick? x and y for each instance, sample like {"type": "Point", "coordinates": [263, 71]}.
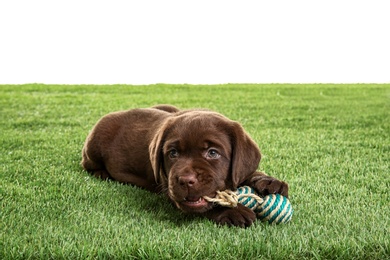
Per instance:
{"type": "Point", "coordinates": [197, 153]}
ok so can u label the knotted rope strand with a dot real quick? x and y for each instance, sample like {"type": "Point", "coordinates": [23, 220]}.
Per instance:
{"type": "Point", "coordinates": [273, 208]}
{"type": "Point", "coordinates": [230, 198]}
{"type": "Point", "coordinates": [225, 198]}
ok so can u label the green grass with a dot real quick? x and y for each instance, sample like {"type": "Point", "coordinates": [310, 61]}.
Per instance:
{"type": "Point", "coordinates": [330, 142]}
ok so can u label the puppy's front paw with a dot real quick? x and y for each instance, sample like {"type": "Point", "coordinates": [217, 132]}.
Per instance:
{"type": "Point", "coordinates": [239, 216]}
{"type": "Point", "coordinates": [269, 185]}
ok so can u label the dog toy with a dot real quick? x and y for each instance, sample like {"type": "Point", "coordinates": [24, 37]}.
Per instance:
{"type": "Point", "coordinates": [273, 208]}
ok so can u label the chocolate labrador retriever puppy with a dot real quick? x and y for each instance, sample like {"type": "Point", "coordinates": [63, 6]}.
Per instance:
{"type": "Point", "coordinates": [184, 154]}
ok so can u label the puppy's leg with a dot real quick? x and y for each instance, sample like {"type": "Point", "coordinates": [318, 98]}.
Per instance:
{"type": "Point", "coordinates": [121, 172]}
{"type": "Point", "coordinates": [93, 164]}
{"type": "Point", "coordinates": [239, 216]}
{"type": "Point", "coordinates": [265, 184]}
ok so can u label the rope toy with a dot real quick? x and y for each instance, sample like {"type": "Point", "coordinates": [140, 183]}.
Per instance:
{"type": "Point", "coordinates": [273, 208]}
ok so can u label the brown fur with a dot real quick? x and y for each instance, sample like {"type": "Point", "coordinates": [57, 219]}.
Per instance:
{"type": "Point", "coordinates": [185, 154]}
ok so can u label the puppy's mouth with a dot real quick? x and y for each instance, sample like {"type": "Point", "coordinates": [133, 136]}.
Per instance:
{"type": "Point", "coordinates": [193, 204]}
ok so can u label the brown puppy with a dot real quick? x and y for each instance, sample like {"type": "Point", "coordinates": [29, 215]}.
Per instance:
{"type": "Point", "coordinates": [185, 154]}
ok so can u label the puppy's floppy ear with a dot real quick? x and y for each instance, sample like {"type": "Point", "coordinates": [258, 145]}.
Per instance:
{"type": "Point", "coordinates": [245, 155]}
{"type": "Point", "coordinates": [156, 153]}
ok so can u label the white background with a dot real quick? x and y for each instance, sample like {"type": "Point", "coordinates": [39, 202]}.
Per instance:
{"type": "Point", "coordinates": [200, 41]}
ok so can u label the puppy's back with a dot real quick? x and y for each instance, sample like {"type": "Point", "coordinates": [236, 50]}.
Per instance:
{"type": "Point", "coordinates": [120, 136]}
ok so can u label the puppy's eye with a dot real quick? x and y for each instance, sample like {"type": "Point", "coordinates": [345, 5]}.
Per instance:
{"type": "Point", "coordinates": [213, 154]}
{"type": "Point", "coordinates": [173, 154]}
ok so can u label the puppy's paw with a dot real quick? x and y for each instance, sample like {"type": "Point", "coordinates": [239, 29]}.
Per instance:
{"type": "Point", "coordinates": [269, 185]}
{"type": "Point", "coordinates": [239, 216]}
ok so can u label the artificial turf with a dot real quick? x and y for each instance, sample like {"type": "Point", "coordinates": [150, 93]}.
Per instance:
{"type": "Point", "coordinates": [329, 142]}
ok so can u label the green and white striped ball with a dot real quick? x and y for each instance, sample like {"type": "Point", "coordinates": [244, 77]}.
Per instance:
{"type": "Point", "coordinates": [273, 208]}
